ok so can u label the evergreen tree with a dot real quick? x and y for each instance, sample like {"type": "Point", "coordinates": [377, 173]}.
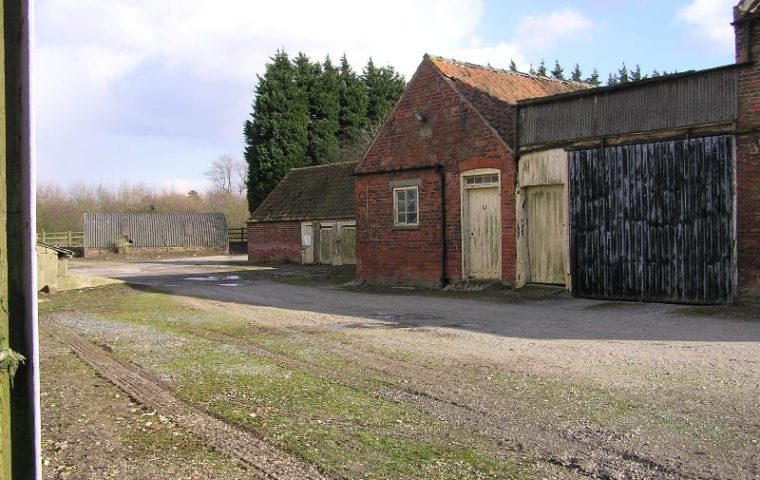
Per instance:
{"type": "Point", "coordinates": [541, 71]}
{"type": "Point", "coordinates": [384, 87]}
{"type": "Point", "coordinates": [558, 71]}
{"type": "Point", "coordinates": [576, 75]}
{"type": "Point", "coordinates": [594, 78]}
{"type": "Point", "coordinates": [353, 105]}
{"type": "Point", "coordinates": [622, 76]}
{"type": "Point", "coordinates": [324, 110]}
{"type": "Point", "coordinates": [512, 65]}
{"type": "Point", "coordinates": [532, 70]}
{"type": "Point", "coordinates": [655, 73]}
{"type": "Point", "coordinates": [612, 80]}
{"type": "Point", "coordinates": [276, 134]}
{"type": "Point", "coordinates": [636, 74]}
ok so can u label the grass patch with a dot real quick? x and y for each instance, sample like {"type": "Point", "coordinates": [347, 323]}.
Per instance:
{"type": "Point", "coordinates": [348, 431]}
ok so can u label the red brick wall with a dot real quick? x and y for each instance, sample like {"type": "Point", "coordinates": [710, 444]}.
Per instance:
{"type": "Point", "coordinates": [748, 159]}
{"type": "Point", "coordinates": [274, 242]}
{"type": "Point", "coordinates": [454, 136]}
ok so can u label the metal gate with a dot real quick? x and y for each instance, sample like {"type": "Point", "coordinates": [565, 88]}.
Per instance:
{"type": "Point", "coordinates": [654, 221]}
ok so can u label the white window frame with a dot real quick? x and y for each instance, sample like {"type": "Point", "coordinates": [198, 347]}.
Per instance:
{"type": "Point", "coordinates": [396, 221]}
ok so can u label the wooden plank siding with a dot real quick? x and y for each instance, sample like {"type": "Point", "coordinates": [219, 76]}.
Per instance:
{"type": "Point", "coordinates": [691, 99]}
{"type": "Point", "coordinates": [654, 221]}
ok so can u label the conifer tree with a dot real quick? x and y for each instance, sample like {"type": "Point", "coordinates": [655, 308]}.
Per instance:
{"type": "Point", "coordinates": [384, 87]}
{"type": "Point", "coordinates": [512, 65]}
{"type": "Point", "coordinates": [532, 70]}
{"type": "Point", "coordinates": [576, 75]}
{"type": "Point", "coordinates": [324, 110]}
{"type": "Point", "coordinates": [622, 76]}
{"type": "Point", "coordinates": [612, 80]}
{"type": "Point", "coordinates": [558, 71]}
{"type": "Point", "coordinates": [593, 79]}
{"type": "Point", "coordinates": [636, 74]}
{"type": "Point", "coordinates": [353, 105]}
{"type": "Point", "coordinates": [276, 134]}
{"type": "Point", "coordinates": [541, 71]}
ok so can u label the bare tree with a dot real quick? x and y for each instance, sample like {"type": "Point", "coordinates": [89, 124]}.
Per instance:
{"type": "Point", "coordinates": [228, 175]}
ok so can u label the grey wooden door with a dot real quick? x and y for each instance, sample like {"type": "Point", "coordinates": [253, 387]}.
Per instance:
{"type": "Point", "coordinates": [654, 221]}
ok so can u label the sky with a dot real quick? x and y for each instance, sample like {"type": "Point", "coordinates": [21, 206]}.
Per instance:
{"type": "Point", "coordinates": [151, 92]}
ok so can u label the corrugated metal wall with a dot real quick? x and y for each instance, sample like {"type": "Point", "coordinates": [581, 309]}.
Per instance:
{"type": "Point", "coordinates": [104, 230]}
{"type": "Point", "coordinates": [654, 221]}
{"type": "Point", "coordinates": [696, 99]}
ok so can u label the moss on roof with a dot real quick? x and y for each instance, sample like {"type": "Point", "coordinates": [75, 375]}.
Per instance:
{"type": "Point", "coordinates": [324, 192]}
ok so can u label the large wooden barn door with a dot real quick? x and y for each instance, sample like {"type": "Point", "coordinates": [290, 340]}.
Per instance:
{"type": "Point", "coordinates": [654, 221]}
{"type": "Point", "coordinates": [482, 231]}
{"type": "Point", "coordinates": [545, 208]}
{"type": "Point", "coordinates": [347, 245]}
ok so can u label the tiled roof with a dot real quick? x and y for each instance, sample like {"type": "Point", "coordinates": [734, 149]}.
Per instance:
{"type": "Point", "coordinates": [324, 192]}
{"type": "Point", "coordinates": [494, 91]}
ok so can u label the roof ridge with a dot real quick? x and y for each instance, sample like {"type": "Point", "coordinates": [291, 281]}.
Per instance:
{"type": "Point", "coordinates": [325, 165]}
{"type": "Point", "coordinates": [503, 71]}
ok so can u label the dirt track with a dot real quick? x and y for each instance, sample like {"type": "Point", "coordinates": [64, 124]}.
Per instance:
{"type": "Point", "coordinates": [609, 390]}
{"type": "Point", "coordinates": [262, 458]}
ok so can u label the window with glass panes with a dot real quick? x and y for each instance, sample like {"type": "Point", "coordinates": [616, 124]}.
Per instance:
{"type": "Point", "coordinates": [405, 206]}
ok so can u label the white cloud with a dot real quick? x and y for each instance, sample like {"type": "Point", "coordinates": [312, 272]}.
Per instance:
{"type": "Point", "coordinates": [184, 70]}
{"type": "Point", "coordinates": [709, 24]}
{"type": "Point", "coordinates": [545, 31]}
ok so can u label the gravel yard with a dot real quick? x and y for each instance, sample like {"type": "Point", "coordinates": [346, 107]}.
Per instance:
{"type": "Point", "coordinates": [405, 384]}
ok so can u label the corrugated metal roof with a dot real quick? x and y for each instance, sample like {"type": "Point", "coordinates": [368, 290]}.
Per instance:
{"type": "Point", "coordinates": [323, 192]}
{"type": "Point", "coordinates": [680, 101]}
{"type": "Point", "coordinates": [493, 92]}
{"type": "Point", "coordinates": [104, 230]}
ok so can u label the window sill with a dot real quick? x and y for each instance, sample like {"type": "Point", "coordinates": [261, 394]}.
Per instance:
{"type": "Point", "coordinates": [406, 227]}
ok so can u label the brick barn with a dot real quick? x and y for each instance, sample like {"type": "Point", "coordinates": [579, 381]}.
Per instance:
{"type": "Point", "coordinates": [435, 197]}
{"type": "Point", "coordinates": [644, 191]}
{"type": "Point", "coordinates": [308, 218]}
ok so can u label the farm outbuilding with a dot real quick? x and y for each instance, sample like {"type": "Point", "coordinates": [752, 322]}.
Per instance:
{"type": "Point", "coordinates": [155, 232]}
{"type": "Point", "coordinates": [308, 218]}
{"type": "Point", "coordinates": [648, 190]}
{"type": "Point", "coordinates": [435, 190]}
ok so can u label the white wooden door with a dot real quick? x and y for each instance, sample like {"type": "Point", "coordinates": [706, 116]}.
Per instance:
{"type": "Point", "coordinates": [546, 234]}
{"type": "Point", "coordinates": [307, 243]}
{"type": "Point", "coordinates": [483, 234]}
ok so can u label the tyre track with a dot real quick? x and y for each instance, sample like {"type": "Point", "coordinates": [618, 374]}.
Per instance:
{"type": "Point", "coordinates": [252, 450]}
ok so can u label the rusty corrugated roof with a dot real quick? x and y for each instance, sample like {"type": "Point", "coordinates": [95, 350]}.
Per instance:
{"type": "Point", "coordinates": [492, 91]}
{"type": "Point", "coordinates": [324, 192]}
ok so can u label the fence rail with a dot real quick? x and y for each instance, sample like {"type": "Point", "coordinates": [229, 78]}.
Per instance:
{"type": "Point", "coordinates": [237, 235]}
{"type": "Point", "coordinates": [76, 239]}
{"type": "Point", "coordinates": [62, 239]}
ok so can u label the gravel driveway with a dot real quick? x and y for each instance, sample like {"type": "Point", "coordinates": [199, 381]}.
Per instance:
{"type": "Point", "coordinates": [607, 389]}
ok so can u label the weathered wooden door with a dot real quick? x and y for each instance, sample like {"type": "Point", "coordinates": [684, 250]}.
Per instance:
{"type": "Point", "coordinates": [483, 233]}
{"type": "Point", "coordinates": [327, 243]}
{"type": "Point", "coordinates": [347, 245]}
{"type": "Point", "coordinates": [654, 221]}
{"type": "Point", "coordinates": [546, 233]}
{"type": "Point", "coordinates": [307, 243]}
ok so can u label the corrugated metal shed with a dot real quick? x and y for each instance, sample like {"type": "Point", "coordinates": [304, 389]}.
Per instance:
{"type": "Point", "coordinates": [104, 230]}
{"type": "Point", "coordinates": [324, 192]}
{"type": "Point", "coordinates": [678, 101]}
